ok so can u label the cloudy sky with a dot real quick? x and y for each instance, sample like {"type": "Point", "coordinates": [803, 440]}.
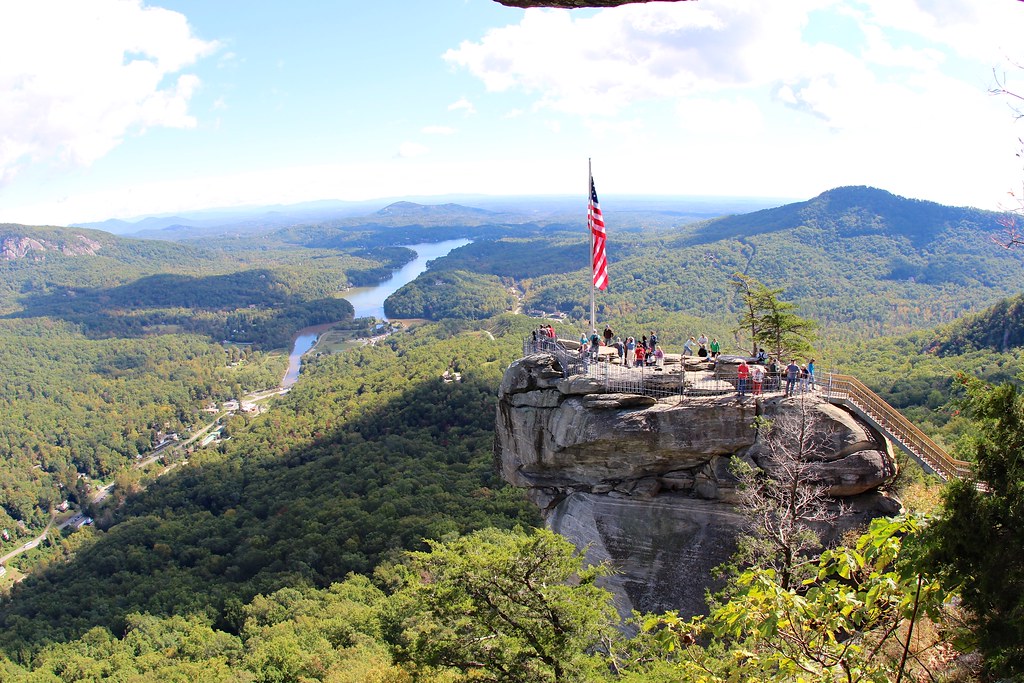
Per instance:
{"type": "Point", "coordinates": [124, 108]}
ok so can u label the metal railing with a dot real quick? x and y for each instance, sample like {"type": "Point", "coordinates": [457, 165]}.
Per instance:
{"type": "Point", "coordinates": [852, 393]}
{"type": "Point", "coordinates": [675, 379]}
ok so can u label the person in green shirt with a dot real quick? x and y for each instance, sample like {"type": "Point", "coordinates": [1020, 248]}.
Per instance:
{"type": "Point", "coordinates": [716, 348]}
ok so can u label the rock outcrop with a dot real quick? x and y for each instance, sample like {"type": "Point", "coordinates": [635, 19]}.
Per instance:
{"type": "Point", "coordinates": [14, 247]}
{"type": "Point", "coordinates": [646, 483]}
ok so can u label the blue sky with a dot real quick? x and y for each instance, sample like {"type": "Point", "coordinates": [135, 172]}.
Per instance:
{"type": "Point", "coordinates": [118, 108]}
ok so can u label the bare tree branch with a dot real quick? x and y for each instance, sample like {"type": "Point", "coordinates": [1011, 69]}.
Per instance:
{"type": "Point", "coordinates": [786, 505]}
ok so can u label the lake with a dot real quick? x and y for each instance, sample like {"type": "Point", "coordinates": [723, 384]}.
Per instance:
{"type": "Point", "coordinates": [369, 301]}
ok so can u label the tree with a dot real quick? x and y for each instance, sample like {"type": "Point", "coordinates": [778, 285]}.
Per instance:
{"type": "Point", "coordinates": [773, 324]}
{"type": "Point", "coordinates": [853, 620]}
{"type": "Point", "coordinates": [507, 606]}
{"type": "Point", "coordinates": [977, 543]}
{"type": "Point", "coordinates": [785, 503]}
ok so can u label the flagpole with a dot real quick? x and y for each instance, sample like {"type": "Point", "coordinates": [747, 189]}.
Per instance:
{"type": "Point", "coordinates": [593, 306]}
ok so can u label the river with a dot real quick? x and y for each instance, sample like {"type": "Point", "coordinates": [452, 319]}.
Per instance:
{"type": "Point", "coordinates": [369, 301]}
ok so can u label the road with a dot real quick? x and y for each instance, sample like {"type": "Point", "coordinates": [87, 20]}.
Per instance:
{"type": "Point", "coordinates": [100, 493]}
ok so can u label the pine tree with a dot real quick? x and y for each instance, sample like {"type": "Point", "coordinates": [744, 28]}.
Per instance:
{"type": "Point", "coordinates": [772, 323]}
{"type": "Point", "coordinates": [978, 545]}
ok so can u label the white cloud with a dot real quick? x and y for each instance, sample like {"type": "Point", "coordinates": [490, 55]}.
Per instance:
{"type": "Point", "coordinates": [463, 105]}
{"type": "Point", "coordinates": [438, 130]}
{"type": "Point", "coordinates": [604, 62]}
{"type": "Point", "coordinates": [985, 31]}
{"type": "Point", "coordinates": [739, 116]}
{"type": "Point", "coordinates": [113, 74]}
{"type": "Point", "coordinates": [408, 150]}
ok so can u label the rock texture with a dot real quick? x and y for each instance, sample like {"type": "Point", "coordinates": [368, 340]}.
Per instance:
{"type": "Point", "coordinates": [646, 485]}
{"type": "Point", "coordinates": [14, 247]}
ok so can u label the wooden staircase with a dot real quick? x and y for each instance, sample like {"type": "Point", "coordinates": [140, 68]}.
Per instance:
{"type": "Point", "coordinates": [851, 393]}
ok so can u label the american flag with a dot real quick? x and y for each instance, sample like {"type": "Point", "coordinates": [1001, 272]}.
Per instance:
{"type": "Point", "coordinates": [599, 258]}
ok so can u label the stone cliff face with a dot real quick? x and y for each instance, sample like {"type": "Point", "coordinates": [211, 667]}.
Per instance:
{"type": "Point", "coordinates": [14, 247]}
{"type": "Point", "coordinates": [646, 485]}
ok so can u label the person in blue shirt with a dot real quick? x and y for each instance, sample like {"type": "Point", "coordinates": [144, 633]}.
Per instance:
{"type": "Point", "coordinates": [792, 372]}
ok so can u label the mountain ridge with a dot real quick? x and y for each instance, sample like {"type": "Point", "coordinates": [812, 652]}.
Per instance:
{"type": "Point", "coordinates": [855, 210]}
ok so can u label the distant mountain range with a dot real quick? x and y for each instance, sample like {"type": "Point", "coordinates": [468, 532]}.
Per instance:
{"type": "Point", "coordinates": [470, 209]}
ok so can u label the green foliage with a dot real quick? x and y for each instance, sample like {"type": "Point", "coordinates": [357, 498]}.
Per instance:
{"type": "Point", "coordinates": [998, 328]}
{"type": "Point", "coordinates": [505, 606]}
{"type": "Point", "coordinates": [369, 454]}
{"type": "Point", "coordinates": [71, 405]}
{"type": "Point", "coordinates": [450, 294]}
{"type": "Point", "coordinates": [976, 544]}
{"type": "Point", "coordinates": [836, 627]}
{"type": "Point", "coordinates": [772, 324]}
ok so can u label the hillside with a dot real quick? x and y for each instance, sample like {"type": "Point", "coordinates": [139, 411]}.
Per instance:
{"type": "Point", "coordinates": [861, 261]}
{"type": "Point", "coordinates": [111, 343]}
{"type": "Point", "coordinates": [855, 211]}
{"type": "Point", "coordinates": [999, 328]}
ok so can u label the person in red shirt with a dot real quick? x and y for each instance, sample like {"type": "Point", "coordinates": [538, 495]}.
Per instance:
{"type": "Point", "coordinates": [742, 375]}
{"type": "Point", "coordinates": [640, 352]}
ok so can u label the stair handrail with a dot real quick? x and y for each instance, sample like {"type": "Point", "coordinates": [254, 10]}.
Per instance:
{"type": "Point", "coordinates": [848, 388]}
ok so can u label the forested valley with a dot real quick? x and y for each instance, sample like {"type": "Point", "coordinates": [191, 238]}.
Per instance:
{"type": "Point", "coordinates": [358, 530]}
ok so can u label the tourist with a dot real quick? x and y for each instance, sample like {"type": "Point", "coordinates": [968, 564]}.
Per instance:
{"type": "Point", "coordinates": [643, 342]}
{"type": "Point", "coordinates": [810, 373]}
{"type": "Point", "coordinates": [803, 380]}
{"type": "Point", "coordinates": [757, 378]}
{"type": "Point", "coordinates": [608, 334]}
{"type": "Point", "coordinates": [654, 339]}
{"type": "Point", "coordinates": [742, 375]}
{"type": "Point", "coordinates": [641, 353]}
{"type": "Point", "coordinates": [583, 339]}
{"type": "Point", "coordinates": [595, 345]}
{"type": "Point", "coordinates": [762, 356]}
{"type": "Point", "coordinates": [688, 346]}
{"type": "Point", "coordinates": [630, 351]}
{"type": "Point", "coordinates": [659, 357]}
{"type": "Point", "coordinates": [774, 383]}
{"type": "Point", "coordinates": [792, 372]}
{"type": "Point", "coordinates": [716, 348]}
{"type": "Point", "coordinates": [702, 342]}
{"type": "Point", "coordinates": [620, 349]}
